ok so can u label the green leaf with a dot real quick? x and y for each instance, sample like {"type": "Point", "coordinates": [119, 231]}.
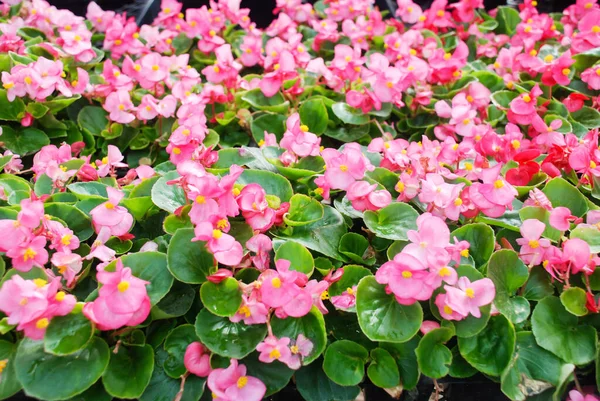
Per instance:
{"type": "Point", "coordinates": [539, 284]}
{"type": "Point", "coordinates": [40, 372]}
{"type": "Point", "coordinates": [406, 359]}
{"type": "Point", "coordinates": [306, 167]}
{"type": "Point", "coordinates": [300, 258]}
{"type": "Point", "coordinates": [189, 262]}
{"type": "Point", "coordinates": [321, 236]}
{"type": "Point", "coordinates": [433, 356]}
{"type": "Point", "coordinates": [393, 221]}
{"type": "Point", "coordinates": [348, 133]}
{"type": "Point", "coordinates": [272, 183]}
{"type": "Point", "coordinates": [152, 267]}
{"type": "Point", "coordinates": [10, 111]}
{"type": "Point", "coordinates": [508, 273]}
{"type": "Point", "coordinates": [228, 339]}
{"type": "Point", "coordinates": [37, 110]}
{"type": "Point", "coordinates": [9, 385]}
{"type": "Point", "coordinates": [274, 375]}
{"type": "Point", "coordinates": [508, 19]}
{"type": "Point", "coordinates": [381, 317]}
{"type": "Point", "coordinates": [356, 248]}
{"type": "Point", "coordinates": [303, 210]}
{"type": "Point", "coordinates": [60, 102]}
{"type": "Point", "coordinates": [482, 240]}
{"type": "Point", "coordinates": [532, 369]}
{"type": "Point", "coordinates": [314, 385]}
{"type": "Point", "coordinates": [89, 190]}
{"type": "Point", "coordinates": [175, 345]}
{"type": "Point", "coordinates": [313, 114]}
{"type": "Point", "coordinates": [129, 371]}
{"type": "Point", "coordinates": [588, 117]}
{"type": "Point", "coordinates": [460, 368]}
{"type": "Point", "coordinates": [561, 193]}
{"type": "Point", "coordinates": [345, 362]}
{"type": "Point", "coordinates": [222, 299]}
{"type": "Point", "coordinates": [588, 233]}
{"type": "Point", "coordinates": [502, 99]}
{"type": "Point", "coordinates": [76, 220]}
{"type": "Point", "coordinates": [272, 123]}
{"type": "Point", "coordinates": [312, 326]}
{"type": "Point", "coordinates": [168, 197]}
{"type": "Point", "coordinates": [67, 334]}
{"type": "Point", "coordinates": [574, 300]}
{"type": "Point", "coordinates": [491, 350]}
{"type": "Point", "coordinates": [382, 370]}
{"type": "Point", "coordinates": [558, 331]}
{"type": "Point", "coordinates": [25, 141]}
{"type": "Point", "coordinates": [177, 302]}
{"type": "Point", "coordinates": [348, 114]}
{"type": "Point", "coordinates": [275, 103]}
{"type": "Point", "coordinates": [93, 120]}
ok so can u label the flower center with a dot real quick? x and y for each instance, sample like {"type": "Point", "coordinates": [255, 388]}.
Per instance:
{"type": "Point", "coordinates": [350, 291]}
{"type": "Point", "coordinates": [464, 253]}
{"type": "Point", "coordinates": [325, 295]}
{"type": "Point", "coordinates": [304, 128]}
{"type": "Point", "coordinates": [42, 323]}
{"type": "Point", "coordinates": [123, 286]}
{"type": "Point", "coordinates": [458, 202]}
{"type": "Point", "coordinates": [406, 274]}
{"type": "Point", "coordinates": [448, 310]}
{"type": "Point", "coordinates": [444, 272]}
{"type": "Point", "coordinates": [440, 13]}
{"type": "Point", "coordinates": [242, 382]}
{"type": "Point", "coordinates": [470, 292]}
{"type": "Point", "coordinates": [217, 234]}
{"type": "Point", "coordinates": [109, 205]}
{"type": "Point", "coordinates": [343, 168]}
{"type": "Point", "coordinates": [566, 71]}
{"type": "Point", "coordinates": [276, 282]}
{"type": "Point", "coordinates": [527, 98]}
{"type": "Point", "coordinates": [534, 244]}
{"type": "Point", "coordinates": [60, 296]}
{"type": "Point", "coordinates": [200, 200]}
{"type": "Point", "coordinates": [29, 254]}
{"type": "Point", "coordinates": [294, 349]}
{"type": "Point", "coordinates": [447, 56]}
{"type": "Point", "coordinates": [275, 354]}
{"type": "Point", "coordinates": [222, 224]}
{"type": "Point", "coordinates": [66, 239]}
{"type": "Point", "coordinates": [498, 184]}
{"type": "Point", "coordinates": [596, 29]}
{"type": "Point", "coordinates": [244, 310]}
{"type": "Point", "coordinates": [516, 144]}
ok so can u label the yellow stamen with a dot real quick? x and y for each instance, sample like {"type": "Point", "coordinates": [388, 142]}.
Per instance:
{"type": "Point", "coordinates": [275, 354]}
{"type": "Point", "coordinates": [407, 274]}
{"type": "Point", "coordinates": [526, 98]}
{"type": "Point", "coordinates": [123, 286]}
{"type": "Point", "coordinates": [534, 244]}
{"type": "Point", "coordinates": [470, 292]}
{"type": "Point", "coordinates": [596, 29]}
{"type": "Point", "coordinates": [200, 199]}
{"type": "Point", "coordinates": [216, 234]}
{"type": "Point", "coordinates": [549, 58]}
{"type": "Point", "coordinates": [516, 144]}
{"type": "Point", "coordinates": [458, 202]}
{"type": "Point", "coordinates": [304, 128]}
{"type": "Point", "coordinates": [109, 205]}
{"type": "Point", "coordinates": [66, 239]}
{"type": "Point", "coordinates": [8, 85]}
{"type": "Point", "coordinates": [444, 272]}
{"type": "Point", "coordinates": [294, 349]}
{"type": "Point", "coordinates": [464, 253]}
{"type": "Point", "coordinates": [448, 310]}
{"type": "Point", "coordinates": [447, 56]}
{"type": "Point", "coordinates": [28, 255]}
{"type": "Point", "coordinates": [566, 71]}
{"type": "Point", "coordinates": [42, 323]}
{"type": "Point", "coordinates": [242, 382]}
{"type": "Point", "coordinates": [350, 291]}
{"type": "Point", "coordinates": [176, 151]}
{"type": "Point", "coordinates": [440, 13]}
{"type": "Point", "coordinates": [222, 224]}
{"type": "Point", "coordinates": [118, 42]}
{"type": "Point", "coordinates": [276, 282]}
{"type": "Point", "coordinates": [27, 80]}
{"type": "Point", "coordinates": [60, 296]}
{"type": "Point", "coordinates": [468, 166]}
{"type": "Point", "coordinates": [498, 184]}
{"type": "Point", "coordinates": [244, 310]}
{"type": "Point", "coordinates": [155, 68]}
{"type": "Point", "coordinates": [343, 168]}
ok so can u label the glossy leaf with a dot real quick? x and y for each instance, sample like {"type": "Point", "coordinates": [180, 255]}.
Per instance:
{"type": "Point", "coordinates": [67, 334]}
{"type": "Point", "coordinates": [312, 326]}
{"type": "Point", "coordinates": [393, 221]}
{"type": "Point", "coordinates": [129, 371]}
{"type": "Point", "coordinates": [344, 362]}
{"type": "Point", "coordinates": [222, 299]}
{"type": "Point", "coordinates": [189, 262]}
{"type": "Point", "coordinates": [300, 258]}
{"type": "Point", "coordinates": [433, 356]}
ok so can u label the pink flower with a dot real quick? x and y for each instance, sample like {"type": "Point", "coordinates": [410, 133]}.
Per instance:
{"type": "Point", "coordinates": [298, 140]}
{"type": "Point", "coordinates": [122, 299]}
{"type": "Point", "coordinates": [405, 277]}
{"type": "Point", "coordinates": [561, 218]}
{"type": "Point", "coordinates": [533, 247]}
{"type": "Point", "coordinates": [364, 196]}
{"type": "Point", "coordinates": [197, 359]}
{"type": "Point", "coordinates": [346, 300]}
{"type": "Point", "coordinates": [232, 384]}
{"type": "Point", "coordinates": [282, 290]}
{"type": "Point", "coordinates": [591, 76]}
{"type": "Point", "coordinates": [68, 264]}
{"type": "Point", "coordinates": [429, 325]}
{"type": "Point", "coordinates": [224, 247]}
{"type": "Point", "coordinates": [300, 349]}
{"type": "Point", "coordinates": [285, 69]}
{"type": "Point", "coordinates": [446, 311]}
{"type": "Point", "coordinates": [261, 245]}
{"type": "Point", "coordinates": [252, 311]}
{"type": "Point", "coordinates": [119, 105]}
{"type": "Point", "coordinates": [524, 107]}
{"type": "Point", "coordinates": [29, 254]}
{"type": "Point", "coordinates": [108, 214]}
{"type": "Point", "coordinates": [272, 348]}
{"type": "Point", "coordinates": [109, 163]}
{"type": "Point", "coordinates": [255, 208]}
{"type": "Point", "coordinates": [408, 11]}
{"type": "Point", "coordinates": [575, 395]}
{"type": "Point", "coordinates": [99, 250]}
{"type": "Point", "coordinates": [225, 68]}
{"type": "Point", "coordinates": [343, 168]}
{"type": "Point", "coordinates": [577, 253]}
{"type": "Point", "coordinates": [469, 296]}
{"type": "Point", "coordinates": [251, 50]}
